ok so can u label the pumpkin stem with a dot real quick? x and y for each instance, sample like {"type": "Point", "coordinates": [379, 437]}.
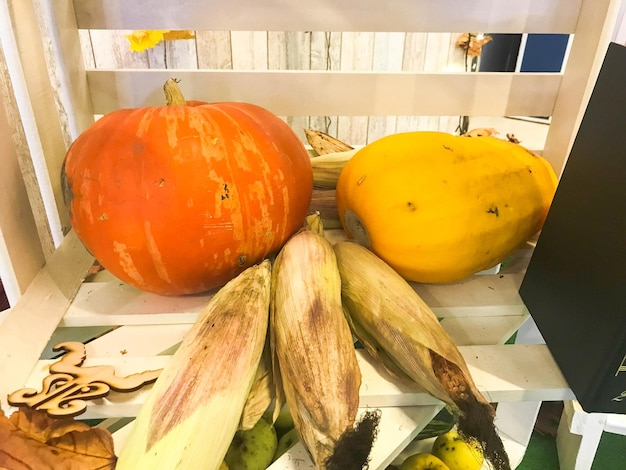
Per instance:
{"type": "Point", "coordinates": [173, 94]}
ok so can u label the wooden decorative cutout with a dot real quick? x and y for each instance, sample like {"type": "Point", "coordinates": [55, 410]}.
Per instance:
{"type": "Point", "coordinates": [69, 385]}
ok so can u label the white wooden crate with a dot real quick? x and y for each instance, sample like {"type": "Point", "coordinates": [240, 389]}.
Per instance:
{"type": "Point", "coordinates": [397, 68]}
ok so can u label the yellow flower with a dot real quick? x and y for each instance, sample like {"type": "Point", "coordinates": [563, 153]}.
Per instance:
{"type": "Point", "coordinates": [140, 40]}
{"type": "Point", "coordinates": [143, 39]}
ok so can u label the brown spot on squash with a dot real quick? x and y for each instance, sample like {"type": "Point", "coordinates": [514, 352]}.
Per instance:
{"type": "Point", "coordinates": [493, 210]}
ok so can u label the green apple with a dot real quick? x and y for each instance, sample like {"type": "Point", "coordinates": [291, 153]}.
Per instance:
{"type": "Point", "coordinates": [457, 453]}
{"type": "Point", "coordinates": [286, 442]}
{"type": "Point", "coordinates": [423, 461]}
{"type": "Point", "coordinates": [284, 421]}
{"type": "Point", "coordinates": [252, 449]}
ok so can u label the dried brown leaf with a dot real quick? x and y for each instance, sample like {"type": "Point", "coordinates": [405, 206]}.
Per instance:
{"type": "Point", "coordinates": [32, 440]}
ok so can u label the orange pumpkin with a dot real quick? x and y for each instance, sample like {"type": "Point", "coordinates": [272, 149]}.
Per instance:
{"type": "Point", "coordinates": [179, 199]}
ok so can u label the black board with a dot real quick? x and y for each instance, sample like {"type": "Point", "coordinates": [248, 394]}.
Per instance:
{"type": "Point", "coordinates": [575, 285]}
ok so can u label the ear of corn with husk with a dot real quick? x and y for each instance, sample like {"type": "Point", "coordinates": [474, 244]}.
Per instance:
{"type": "Point", "coordinates": [332, 155]}
{"type": "Point", "coordinates": [323, 143]}
{"type": "Point", "coordinates": [195, 406]}
{"type": "Point", "coordinates": [396, 326]}
{"type": "Point", "coordinates": [323, 203]}
{"type": "Point", "coordinates": [326, 168]}
{"type": "Point", "coordinates": [313, 346]}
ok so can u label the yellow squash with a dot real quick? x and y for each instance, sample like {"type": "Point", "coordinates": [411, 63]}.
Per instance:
{"type": "Point", "coordinates": [439, 207]}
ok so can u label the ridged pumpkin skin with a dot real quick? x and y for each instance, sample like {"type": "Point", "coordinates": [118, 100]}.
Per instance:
{"type": "Point", "coordinates": [439, 207]}
{"type": "Point", "coordinates": [180, 199]}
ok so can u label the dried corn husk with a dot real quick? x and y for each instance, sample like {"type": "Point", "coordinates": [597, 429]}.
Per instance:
{"type": "Point", "coordinates": [326, 168]}
{"type": "Point", "coordinates": [323, 202]}
{"type": "Point", "coordinates": [261, 394]}
{"type": "Point", "coordinates": [396, 326]}
{"type": "Point", "coordinates": [323, 143]}
{"type": "Point", "coordinates": [313, 346]}
{"type": "Point", "coordinates": [195, 406]}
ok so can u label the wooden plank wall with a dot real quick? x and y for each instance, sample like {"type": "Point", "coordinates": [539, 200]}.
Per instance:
{"type": "Point", "coordinates": [296, 50]}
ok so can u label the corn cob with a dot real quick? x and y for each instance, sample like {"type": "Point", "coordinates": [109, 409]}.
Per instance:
{"type": "Point", "coordinates": [396, 326]}
{"type": "Point", "coordinates": [326, 168]}
{"type": "Point", "coordinates": [323, 202]}
{"type": "Point", "coordinates": [195, 406]}
{"type": "Point", "coordinates": [323, 143]}
{"type": "Point", "coordinates": [313, 347]}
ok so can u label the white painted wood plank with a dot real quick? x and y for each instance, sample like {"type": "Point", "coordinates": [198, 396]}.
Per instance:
{"type": "Point", "coordinates": [213, 48]}
{"type": "Point", "coordinates": [21, 252]}
{"type": "Point", "coordinates": [357, 54]}
{"type": "Point", "coordinates": [487, 295]}
{"type": "Point", "coordinates": [249, 50]}
{"type": "Point", "coordinates": [84, 36]}
{"type": "Point", "coordinates": [30, 323]}
{"type": "Point", "coordinates": [465, 331]}
{"type": "Point", "coordinates": [29, 92]}
{"type": "Point", "coordinates": [578, 436]}
{"type": "Point", "coordinates": [380, 126]}
{"type": "Point", "coordinates": [398, 427]}
{"type": "Point", "coordinates": [117, 303]}
{"type": "Point", "coordinates": [515, 422]}
{"type": "Point", "coordinates": [292, 93]}
{"type": "Point", "coordinates": [502, 373]}
{"type": "Point", "coordinates": [414, 51]}
{"type": "Point", "coordinates": [593, 34]}
{"type": "Point", "coordinates": [437, 52]}
{"type": "Point", "coordinates": [325, 55]}
{"type": "Point", "coordinates": [329, 15]}
{"type": "Point", "coordinates": [63, 52]}
{"type": "Point", "coordinates": [137, 340]}
{"type": "Point", "coordinates": [289, 50]}
{"type": "Point", "coordinates": [181, 54]}
{"type": "Point", "coordinates": [111, 49]}
{"type": "Point", "coordinates": [173, 54]}
{"type": "Point", "coordinates": [388, 51]}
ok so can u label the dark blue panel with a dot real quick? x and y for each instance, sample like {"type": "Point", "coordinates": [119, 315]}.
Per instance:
{"type": "Point", "coordinates": [544, 52]}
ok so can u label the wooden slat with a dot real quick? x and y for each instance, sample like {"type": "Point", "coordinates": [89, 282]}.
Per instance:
{"type": "Point", "coordinates": [117, 303]}
{"type": "Point", "coordinates": [19, 132]}
{"type": "Point", "coordinates": [66, 68]}
{"type": "Point", "coordinates": [300, 93]}
{"type": "Point", "coordinates": [398, 427]}
{"type": "Point", "coordinates": [497, 16]}
{"type": "Point", "coordinates": [589, 46]}
{"type": "Point", "coordinates": [22, 39]}
{"type": "Point", "coordinates": [465, 331]}
{"type": "Point", "coordinates": [502, 373]}
{"type": "Point", "coordinates": [25, 332]}
{"type": "Point", "coordinates": [21, 253]}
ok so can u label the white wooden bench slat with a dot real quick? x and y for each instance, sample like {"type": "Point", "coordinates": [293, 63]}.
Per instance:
{"type": "Point", "coordinates": [398, 427]}
{"type": "Point", "coordinates": [465, 331]}
{"type": "Point", "coordinates": [321, 93]}
{"type": "Point", "coordinates": [548, 16]}
{"type": "Point", "coordinates": [25, 332]}
{"type": "Point", "coordinates": [116, 303]}
{"type": "Point", "coordinates": [502, 372]}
